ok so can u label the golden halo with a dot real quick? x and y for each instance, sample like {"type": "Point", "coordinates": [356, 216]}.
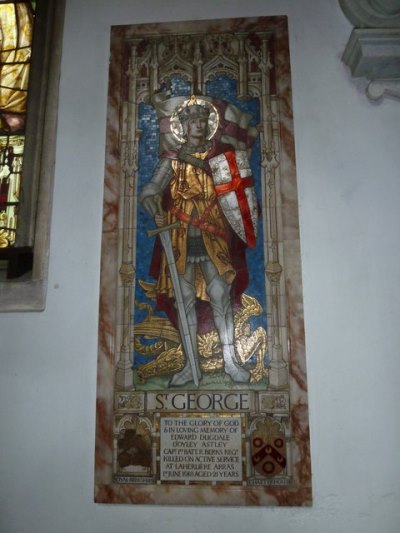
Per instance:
{"type": "Point", "coordinates": [176, 125]}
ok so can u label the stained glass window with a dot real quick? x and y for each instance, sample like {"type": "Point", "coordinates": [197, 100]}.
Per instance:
{"type": "Point", "coordinates": [16, 30]}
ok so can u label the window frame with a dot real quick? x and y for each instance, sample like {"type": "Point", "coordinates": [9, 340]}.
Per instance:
{"type": "Point", "coordinates": [28, 293]}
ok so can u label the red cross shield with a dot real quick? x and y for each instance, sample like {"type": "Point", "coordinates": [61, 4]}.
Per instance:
{"type": "Point", "coordinates": [234, 185]}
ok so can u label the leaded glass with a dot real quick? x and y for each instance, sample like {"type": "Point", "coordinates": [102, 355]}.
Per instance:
{"type": "Point", "coordinates": [16, 29]}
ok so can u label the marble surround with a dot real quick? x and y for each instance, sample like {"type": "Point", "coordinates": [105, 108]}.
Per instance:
{"type": "Point", "coordinates": [285, 399]}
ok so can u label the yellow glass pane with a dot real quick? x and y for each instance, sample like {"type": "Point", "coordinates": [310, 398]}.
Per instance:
{"type": "Point", "coordinates": [16, 37]}
{"type": "Point", "coordinates": [16, 27]}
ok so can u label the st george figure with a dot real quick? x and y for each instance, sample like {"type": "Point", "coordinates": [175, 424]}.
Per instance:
{"type": "Point", "coordinates": [202, 199]}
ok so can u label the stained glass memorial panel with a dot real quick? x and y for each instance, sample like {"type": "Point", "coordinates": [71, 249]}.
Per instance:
{"type": "Point", "coordinates": [202, 395]}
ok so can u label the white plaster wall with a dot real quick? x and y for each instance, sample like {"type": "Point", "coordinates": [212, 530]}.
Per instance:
{"type": "Point", "coordinates": [348, 160]}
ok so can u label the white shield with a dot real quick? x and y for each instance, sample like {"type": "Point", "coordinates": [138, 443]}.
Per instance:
{"type": "Point", "coordinates": [236, 195]}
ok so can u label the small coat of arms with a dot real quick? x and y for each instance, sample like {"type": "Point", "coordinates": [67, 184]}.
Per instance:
{"type": "Point", "coordinates": [268, 446]}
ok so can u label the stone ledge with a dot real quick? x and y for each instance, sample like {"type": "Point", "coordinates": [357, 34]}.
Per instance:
{"type": "Point", "coordinates": [373, 53]}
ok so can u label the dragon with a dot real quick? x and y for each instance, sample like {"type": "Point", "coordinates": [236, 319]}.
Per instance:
{"type": "Point", "coordinates": [167, 353]}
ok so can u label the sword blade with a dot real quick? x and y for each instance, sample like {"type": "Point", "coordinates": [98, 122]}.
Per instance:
{"type": "Point", "coordinates": [184, 326]}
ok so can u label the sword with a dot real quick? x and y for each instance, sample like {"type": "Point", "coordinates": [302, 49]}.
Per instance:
{"type": "Point", "coordinates": [183, 323]}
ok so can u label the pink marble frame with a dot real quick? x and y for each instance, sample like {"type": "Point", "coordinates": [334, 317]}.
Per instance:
{"type": "Point", "coordinates": [299, 492]}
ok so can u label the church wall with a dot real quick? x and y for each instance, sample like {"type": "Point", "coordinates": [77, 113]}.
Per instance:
{"type": "Point", "coordinates": [348, 162]}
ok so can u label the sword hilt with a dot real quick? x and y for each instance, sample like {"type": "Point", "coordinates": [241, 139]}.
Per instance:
{"type": "Point", "coordinates": [153, 232]}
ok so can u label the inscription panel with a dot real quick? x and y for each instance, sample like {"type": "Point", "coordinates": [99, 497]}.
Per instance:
{"type": "Point", "coordinates": [198, 449]}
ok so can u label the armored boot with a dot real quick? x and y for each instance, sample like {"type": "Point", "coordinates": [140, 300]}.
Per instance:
{"type": "Point", "coordinates": [186, 374]}
{"type": "Point", "coordinates": [231, 366]}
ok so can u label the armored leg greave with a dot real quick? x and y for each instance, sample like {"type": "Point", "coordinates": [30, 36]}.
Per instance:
{"type": "Point", "coordinates": [219, 292]}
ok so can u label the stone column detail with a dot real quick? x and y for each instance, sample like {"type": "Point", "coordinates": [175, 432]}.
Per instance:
{"type": "Point", "coordinates": [129, 149]}
{"type": "Point", "coordinates": [270, 160]}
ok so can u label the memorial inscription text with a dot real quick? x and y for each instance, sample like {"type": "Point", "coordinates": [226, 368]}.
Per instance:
{"type": "Point", "coordinates": [198, 448]}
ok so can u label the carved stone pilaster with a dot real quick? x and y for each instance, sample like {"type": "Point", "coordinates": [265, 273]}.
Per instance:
{"type": "Point", "coordinates": [129, 148]}
{"type": "Point", "coordinates": [270, 161]}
